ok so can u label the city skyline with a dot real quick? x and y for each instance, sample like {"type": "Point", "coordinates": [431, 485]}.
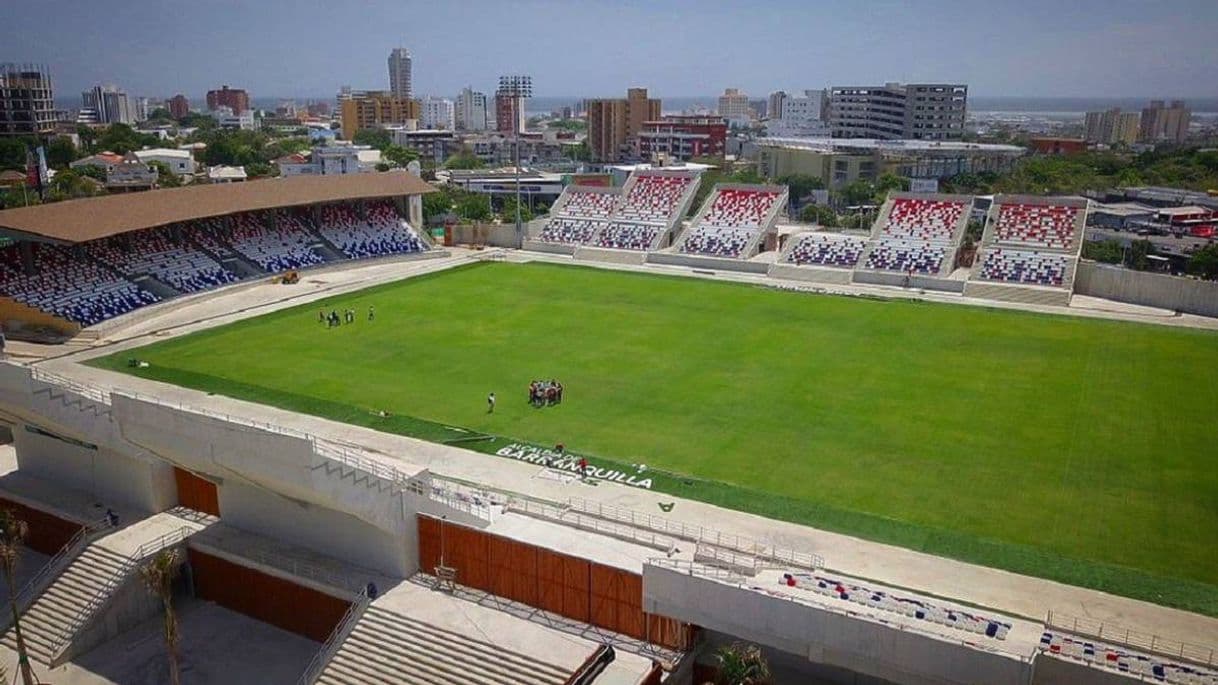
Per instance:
{"type": "Point", "coordinates": [1038, 49]}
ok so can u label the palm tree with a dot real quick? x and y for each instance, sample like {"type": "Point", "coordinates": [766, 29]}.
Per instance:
{"type": "Point", "coordinates": [158, 575]}
{"type": "Point", "coordinates": [742, 664]}
{"type": "Point", "coordinates": [12, 534]}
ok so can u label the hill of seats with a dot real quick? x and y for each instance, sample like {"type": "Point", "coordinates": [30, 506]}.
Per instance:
{"type": "Point", "coordinates": [1031, 241]}
{"type": "Point", "coordinates": [917, 234]}
{"type": "Point", "coordinates": [732, 220]}
{"type": "Point", "coordinates": [100, 279]}
{"type": "Point", "coordinates": [634, 217]}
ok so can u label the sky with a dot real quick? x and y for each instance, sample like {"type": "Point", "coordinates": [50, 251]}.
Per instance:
{"type": "Point", "coordinates": [583, 48]}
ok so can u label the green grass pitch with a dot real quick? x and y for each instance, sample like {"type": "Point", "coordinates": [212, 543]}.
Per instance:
{"type": "Point", "coordinates": [1076, 449]}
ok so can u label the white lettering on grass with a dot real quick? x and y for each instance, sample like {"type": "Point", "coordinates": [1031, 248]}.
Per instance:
{"type": "Point", "coordinates": [569, 463]}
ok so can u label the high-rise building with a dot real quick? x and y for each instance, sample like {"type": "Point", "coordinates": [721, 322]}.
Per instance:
{"type": "Point", "coordinates": [682, 138]}
{"type": "Point", "coordinates": [111, 105]}
{"type": "Point", "coordinates": [470, 114]}
{"type": "Point", "coordinates": [1112, 126]}
{"type": "Point", "coordinates": [438, 113]}
{"type": "Point", "coordinates": [143, 107]}
{"type": "Point", "coordinates": [915, 111]}
{"type": "Point", "coordinates": [375, 108]}
{"type": "Point", "coordinates": [511, 97]}
{"type": "Point", "coordinates": [734, 106]}
{"type": "Point", "coordinates": [804, 114]}
{"type": "Point", "coordinates": [614, 123]}
{"type": "Point", "coordinates": [27, 102]}
{"type": "Point", "coordinates": [774, 108]}
{"type": "Point", "coordinates": [235, 99]}
{"type": "Point", "coordinates": [1164, 124]}
{"type": "Point", "coordinates": [179, 106]}
{"type": "Point", "coordinates": [400, 73]}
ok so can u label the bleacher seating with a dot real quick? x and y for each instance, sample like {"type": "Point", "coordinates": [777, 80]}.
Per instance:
{"type": "Point", "coordinates": [1045, 226]}
{"type": "Point", "coordinates": [923, 219]}
{"type": "Point", "coordinates": [906, 606]}
{"type": "Point", "coordinates": [719, 241]}
{"type": "Point", "coordinates": [155, 252]}
{"type": "Point", "coordinates": [590, 205]}
{"type": "Point", "coordinates": [819, 249]}
{"type": "Point", "coordinates": [571, 231]}
{"type": "Point", "coordinates": [653, 198]}
{"type": "Point", "coordinates": [381, 232]}
{"type": "Point", "coordinates": [68, 286]}
{"type": "Point", "coordinates": [739, 208]}
{"type": "Point", "coordinates": [281, 249]}
{"type": "Point", "coordinates": [628, 236]}
{"type": "Point", "coordinates": [1120, 659]}
{"type": "Point", "coordinates": [1021, 266]}
{"type": "Point", "coordinates": [907, 256]}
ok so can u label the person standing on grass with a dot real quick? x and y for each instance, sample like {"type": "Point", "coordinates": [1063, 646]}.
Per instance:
{"type": "Point", "coordinates": [490, 403]}
{"type": "Point", "coordinates": [371, 313]}
{"type": "Point", "coordinates": [321, 316]}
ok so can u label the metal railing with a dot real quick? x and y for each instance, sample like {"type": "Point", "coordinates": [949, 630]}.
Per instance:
{"type": "Point", "coordinates": [103, 593]}
{"type": "Point", "coordinates": [92, 392]}
{"type": "Point", "coordinates": [694, 568]}
{"type": "Point", "coordinates": [349, 456]}
{"type": "Point", "coordinates": [697, 534]}
{"type": "Point", "coordinates": [576, 519]}
{"type": "Point", "coordinates": [345, 625]}
{"type": "Point", "coordinates": [1127, 637]}
{"type": "Point", "coordinates": [56, 564]}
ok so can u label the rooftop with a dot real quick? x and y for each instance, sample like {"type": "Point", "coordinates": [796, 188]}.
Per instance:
{"type": "Point", "coordinates": [877, 145]}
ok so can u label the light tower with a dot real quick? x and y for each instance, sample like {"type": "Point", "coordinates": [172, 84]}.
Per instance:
{"type": "Point", "coordinates": [516, 89]}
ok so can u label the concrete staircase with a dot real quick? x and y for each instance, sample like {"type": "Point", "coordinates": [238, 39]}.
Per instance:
{"type": "Point", "coordinates": [51, 621]}
{"type": "Point", "coordinates": [386, 647]}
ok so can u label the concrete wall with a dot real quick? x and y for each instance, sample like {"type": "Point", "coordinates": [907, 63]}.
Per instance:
{"type": "Point", "coordinates": [1151, 290]}
{"type": "Point", "coordinates": [130, 605]}
{"type": "Point", "coordinates": [497, 235]}
{"type": "Point", "coordinates": [811, 274]}
{"type": "Point", "coordinates": [325, 531]}
{"type": "Point", "coordinates": [899, 280]}
{"type": "Point", "coordinates": [110, 476]}
{"type": "Point", "coordinates": [834, 639]}
{"type": "Point", "coordinates": [610, 256]}
{"type": "Point", "coordinates": [1052, 670]}
{"type": "Point", "coordinates": [711, 263]}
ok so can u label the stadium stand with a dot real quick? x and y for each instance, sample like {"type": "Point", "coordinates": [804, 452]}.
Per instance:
{"type": "Point", "coordinates": [826, 249]}
{"type": "Point", "coordinates": [286, 247]}
{"type": "Point", "coordinates": [579, 214]}
{"type": "Point", "coordinates": [73, 288]}
{"type": "Point", "coordinates": [913, 218]}
{"type": "Point", "coordinates": [1036, 225]}
{"type": "Point", "coordinates": [572, 231]}
{"type": "Point", "coordinates": [732, 219]}
{"type": "Point", "coordinates": [909, 607]}
{"type": "Point", "coordinates": [381, 232]}
{"type": "Point", "coordinates": [719, 241]}
{"type": "Point", "coordinates": [653, 198]}
{"type": "Point", "coordinates": [907, 256]}
{"type": "Point", "coordinates": [1125, 661]}
{"type": "Point", "coordinates": [628, 236]}
{"type": "Point", "coordinates": [594, 205]}
{"type": "Point", "coordinates": [1020, 266]}
{"type": "Point", "coordinates": [740, 207]}
{"type": "Point", "coordinates": [155, 252]}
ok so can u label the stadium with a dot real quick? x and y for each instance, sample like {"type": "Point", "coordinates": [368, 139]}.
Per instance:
{"type": "Point", "coordinates": [877, 458]}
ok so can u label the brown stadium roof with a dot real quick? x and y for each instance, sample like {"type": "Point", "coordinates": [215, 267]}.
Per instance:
{"type": "Point", "coordinates": [77, 221]}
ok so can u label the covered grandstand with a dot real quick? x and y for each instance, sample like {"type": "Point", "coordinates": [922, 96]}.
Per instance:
{"type": "Point", "coordinates": [76, 264]}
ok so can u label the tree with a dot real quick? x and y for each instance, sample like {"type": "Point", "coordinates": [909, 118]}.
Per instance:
{"type": "Point", "coordinates": [1106, 251]}
{"type": "Point", "coordinates": [88, 138]}
{"type": "Point", "coordinates": [818, 214]}
{"type": "Point", "coordinates": [68, 184]}
{"type": "Point", "coordinates": [1140, 252]}
{"type": "Point", "coordinates": [164, 177]}
{"type": "Point", "coordinates": [261, 170]}
{"type": "Point", "coordinates": [13, 532]}
{"type": "Point", "coordinates": [889, 181]}
{"type": "Point", "coordinates": [800, 185]}
{"type": "Point", "coordinates": [12, 154]}
{"type": "Point", "coordinates": [579, 152]}
{"type": "Point", "coordinates": [1204, 263]}
{"type": "Point", "coordinates": [438, 203]}
{"type": "Point", "coordinates": [399, 155]}
{"type": "Point", "coordinates": [378, 138]}
{"type": "Point", "coordinates": [741, 664]}
{"type": "Point", "coordinates": [858, 192]}
{"type": "Point", "coordinates": [285, 146]}
{"type": "Point", "coordinates": [464, 160]}
{"type": "Point", "coordinates": [509, 211]}
{"type": "Point", "coordinates": [474, 207]}
{"type": "Point", "coordinates": [158, 575]}
{"type": "Point", "coordinates": [60, 153]}
{"type": "Point", "coordinates": [121, 139]}
{"type": "Point", "coordinates": [160, 114]}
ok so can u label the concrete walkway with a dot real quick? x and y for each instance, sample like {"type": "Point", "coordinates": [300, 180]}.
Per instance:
{"type": "Point", "coordinates": [999, 590]}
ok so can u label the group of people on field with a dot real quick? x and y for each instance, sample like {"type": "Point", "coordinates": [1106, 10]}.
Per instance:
{"type": "Point", "coordinates": [542, 393]}
{"type": "Point", "coordinates": [348, 316]}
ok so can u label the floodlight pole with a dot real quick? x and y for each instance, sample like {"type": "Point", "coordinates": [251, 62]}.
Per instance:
{"type": "Point", "coordinates": [516, 89]}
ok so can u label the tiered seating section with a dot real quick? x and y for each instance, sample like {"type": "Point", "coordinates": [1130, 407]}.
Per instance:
{"type": "Point", "coordinates": [653, 198]}
{"type": "Point", "coordinates": [1122, 660]}
{"type": "Point", "coordinates": [627, 236]}
{"type": "Point", "coordinates": [580, 216]}
{"type": "Point", "coordinates": [284, 249]}
{"type": "Point", "coordinates": [592, 205]}
{"type": "Point", "coordinates": [923, 219]}
{"type": "Point", "coordinates": [571, 231]}
{"type": "Point", "coordinates": [907, 256]}
{"type": "Point", "coordinates": [906, 606]}
{"type": "Point", "coordinates": [819, 249]}
{"type": "Point", "coordinates": [1021, 266]}
{"type": "Point", "coordinates": [381, 232]}
{"type": "Point", "coordinates": [69, 287]}
{"type": "Point", "coordinates": [740, 208]}
{"type": "Point", "coordinates": [155, 252]}
{"type": "Point", "coordinates": [1030, 225]}
{"type": "Point", "coordinates": [718, 241]}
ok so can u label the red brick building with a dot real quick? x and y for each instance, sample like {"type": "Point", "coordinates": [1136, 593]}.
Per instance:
{"type": "Point", "coordinates": [1057, 146]}
{"type": "Point", "coordinates": [683, 137]}
{"type": "Point", "coordinates": [179, 106]}
{"type": "Point", "coordinates": [235, 99]}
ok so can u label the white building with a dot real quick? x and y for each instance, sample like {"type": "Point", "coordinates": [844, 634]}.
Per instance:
{"type": "Point", "coordinates": [179, 162]}
{"type": "Point", "coordinates": [111, 105]}
{"type": "Point", "coordinates": [470, 114]}
{"type": "Point", "coordinates": [734, 106]}
{"type": "Point", "coordinates": [438, 113]}
{"type": "Point", "coordinates": [801, 115]}
{"type": "Point", "coordinates": [226, 119]}
{"type": "Point", "coordinates": [400, 73]}
{"type": "Point", "coordinates": [226, 174]}
{"type": "Point", "coordinates": [331, 160]}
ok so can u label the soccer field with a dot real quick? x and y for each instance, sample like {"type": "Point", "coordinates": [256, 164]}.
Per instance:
{"type": "Point", "coordinates": [1075, 449]}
